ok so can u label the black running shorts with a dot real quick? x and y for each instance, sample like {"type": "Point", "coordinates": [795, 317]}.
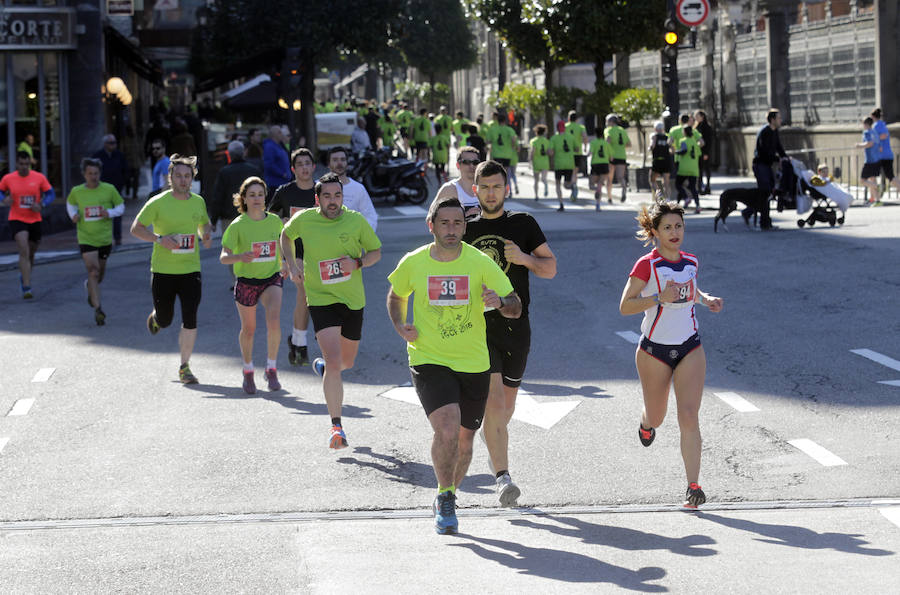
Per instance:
{"type": "Point", "coordinates": [340, 315]}
{"type": "Point", "coordinates": [508, 341]}
{"type": "Point", "coordinates": [563, 173]}
{"type": "Point", "coordinates": [599, 169]}
{"type": "Point", "coordinates": [887, 166]}
{"type": "Point", "coordinates": [103, 252]}
{"type": "Point", "coordinates": [870, 170]}
{"type": "Point", "coordinates": [438, 386]}
{"type": "Point", "coordinates": [166, 288]}
{"type": "Point", "coordinates": [670, 355]}
{"type": "Point", "coordinates": [33, 229]}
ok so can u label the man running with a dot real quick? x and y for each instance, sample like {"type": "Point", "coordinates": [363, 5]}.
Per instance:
{"type": "Point", "coordinates": [467, 159]}
{"type": "Point", "coordinates": [91, 206]}
{"type": "Point", "coordinates": [337, 244]}
{"type": "Point", "coordinates": [420, 131]}
{"type": "Point", "coordinates": [618, 141]}
{"type": "Point", "coordinates": [177, 216]}
{"type": "Point", "coordinates": [562, 152]}
{"type": "Point", "coordinates": [287, 200]}
{"type": "Point", "coordinates": [355, 195]}
{"type": "Point", "coordinates": [517, 244]}
{"type": "Point", "coordinates": [886, 153]}
{"type": "Point", "coordinates": [580, 142]}
{"type": "Point", "coordinates": [27, 192]}
{"type": "Point", "coordinates": [451, 283]}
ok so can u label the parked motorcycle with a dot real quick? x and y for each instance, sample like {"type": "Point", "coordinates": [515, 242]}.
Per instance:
{"type": "Point", "coordinates": [390, 177]}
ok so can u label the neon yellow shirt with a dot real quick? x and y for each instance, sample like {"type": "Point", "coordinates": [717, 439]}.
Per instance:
{"type": "Point", "coordinates": [245, 234]}
{"type": "Point", "coordinates": [91, 229]}
{"type": "Point", "coordinates": [169, 215]}
{"type": "Point", "coordinates": [421, 129]}
{"type": "Point", "coordinates": [446, 123]}
{"type": "Point", "coordinates": [324, 242]}
{"type": "Point", "coordinates": [563, 151]}
{"type": "Point", "coordinates": [540, 153]}
{"type": "Point", "coordinates": [448, 310]}
{"type": "Point", "coordinates": [577, 131]}
{"type": "Point", "coordinates": [600, 151]}
{"type": "Point", "coordinates": [440, 148]}
{"type": "Point", "coordinates": [503, 141]}
{"type": "Point", "coordinates": [617, 139]}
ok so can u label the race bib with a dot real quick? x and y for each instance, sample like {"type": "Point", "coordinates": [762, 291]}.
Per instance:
{"type": "Point", "coordinates": [185, 243]}
{"type": "Point", "coordinates": [92, 213]}
{"type": "Point", "coordinates": [685, 296]}
{"type": "Point", "coordinates": [294, 210]}
{"type": "Point", "coordinates": [330, 272]}
{"type": "Point", "coordinates": [26, 201]}
{"type": "Point", "coordinates": [448, 290]}
{"type": "Point", "coordinates": [263, 251]}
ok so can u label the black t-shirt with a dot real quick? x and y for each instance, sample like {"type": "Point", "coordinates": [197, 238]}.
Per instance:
{"type": "Point", "coordinates": [289, 195]}
{"type": "Point", "coordinates": [488, 235]}
{"type": "Point", "coordinates": [660, 147]}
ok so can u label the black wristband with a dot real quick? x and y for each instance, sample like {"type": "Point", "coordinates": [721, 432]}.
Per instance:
{"type": "Point", "coordinates": [359, 263]}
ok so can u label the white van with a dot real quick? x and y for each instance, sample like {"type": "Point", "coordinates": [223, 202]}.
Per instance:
{"type": "Point", "coordinates": [334, 129]}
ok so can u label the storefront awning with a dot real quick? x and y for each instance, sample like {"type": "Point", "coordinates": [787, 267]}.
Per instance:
{"type": "Point", "coordinates": [119, 46]}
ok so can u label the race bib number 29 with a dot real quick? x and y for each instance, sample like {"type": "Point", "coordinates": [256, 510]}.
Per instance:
{"type": "Point", "coordinates": [330, 271]}
{"type": "Point", "coordinates": [263, 251]}
{"type": "Point", "coordinates": [185, 243]}
{"type": "Point", "coordinates": [448, 290]}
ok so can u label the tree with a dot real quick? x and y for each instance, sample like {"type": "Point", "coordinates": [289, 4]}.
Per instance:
{"type": "Point", "coordinates": [436, 40]}
{"type": "Point", "coordinates": [519, 98]}
{"type": "Point", "coordinates": [241, 29]}
{"type": "Point", "coordinates": [636, 105]}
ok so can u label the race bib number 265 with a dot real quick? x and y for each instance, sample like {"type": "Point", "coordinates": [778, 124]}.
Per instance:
{"type": "Point", "coordinates": [448, 290]}
{"type": "Point", "coordinates": [331, 271]}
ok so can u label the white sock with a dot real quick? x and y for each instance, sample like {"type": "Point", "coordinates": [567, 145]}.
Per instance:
{"type": "Point", "coordinates": [248, 366]}
{"type": "Point", "coordinates": [270, 364]}
{"type": "Point", "coordinates": [298, 337]}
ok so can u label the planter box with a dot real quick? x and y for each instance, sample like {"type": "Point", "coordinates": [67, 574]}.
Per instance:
{"type": "Point", "coordinates": [638, 178]}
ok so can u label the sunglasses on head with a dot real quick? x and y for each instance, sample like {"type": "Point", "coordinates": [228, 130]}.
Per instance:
{"type": "Point", "coordinates": [469, 161]}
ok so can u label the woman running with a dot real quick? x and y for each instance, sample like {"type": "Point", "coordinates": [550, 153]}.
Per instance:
{"type": "Point", "coordinates": [663, 285]}
{"type": "Point", "coordinates": [251, 244]}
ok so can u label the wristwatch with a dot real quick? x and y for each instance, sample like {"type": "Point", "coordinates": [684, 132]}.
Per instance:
{"type": "Point", "coordinates": [359, 262]}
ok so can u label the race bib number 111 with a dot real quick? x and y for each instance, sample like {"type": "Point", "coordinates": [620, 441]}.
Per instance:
{"type": "Point", "coordinates": [185, 243]}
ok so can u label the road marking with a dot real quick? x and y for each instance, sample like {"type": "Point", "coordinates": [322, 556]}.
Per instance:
{"type": "Point", "coordinates": [528, 409]}
{"type": "Point", "coordinates": [891, 514]}
{"type": "Point", "coordinates": [819, 453]}
{"type": "Point", "coordinates": [738, 402]}
{"type": "Point", "coordinates": [877, 357]}
{"type": "Point", "coordinates": [21, 407]}
{"type": "Point", "coordinates": [411, 211]}
{"type": "Point", "coordinates": [3, 442]}
{"type": "Point", "coordinates": [630, 336]}
{"type": "Point", "coordinates": [43, 375]}
{"type": "Point", "coordinates": [11, 258]}
{"type": "Point", "coordinates": [518, 206]}
{"type": "Point", "coordinates": [890, 382]}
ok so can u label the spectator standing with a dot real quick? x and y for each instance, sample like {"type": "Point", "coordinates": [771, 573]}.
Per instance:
{"type": "Point", "coordinates": [359, 138]}
{"type": "Point", "coordinates": [372, 128]}
{"type": "Point", "coordinates": [276, 160]}
{"type": "Point", "coordinates": [115, 171]}
{"type": "Point", "coordinates": [254, 152]}
{"type": "Point", "coordinates": [160, 178]}
{"type": "Point", "coordinates": [768, 151]}
{"type": "Point", "coordinates": [228, 183]}
{"type": "Point", "coordinates": [182, 142]}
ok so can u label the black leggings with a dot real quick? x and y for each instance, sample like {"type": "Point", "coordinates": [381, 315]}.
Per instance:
{"type": "Point", "coordinates": [692, 184]}
{"type": "Point", "coordinates": [166, 288]}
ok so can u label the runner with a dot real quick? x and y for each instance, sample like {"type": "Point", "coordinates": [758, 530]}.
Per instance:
{"type": "Point", "coordinates": [517, 244]}
{"type": "Point", "coordinates": [451, 283]}
{"type": "Point", "coordinates": [580, 143]}
{"type": "Point", "coordinates": [27, 192]}
{"type": "Point", "coordinates": [404, 121]}
{"type": "Point", "coordinates": [177, 216]}
{"type": "Point", "coordinates": [503, 141]}
{"type": "Point", "coordinates": [562, 151]}
{"type": "Point", "coordinates": [663, 285]}
{"type": "Point", "coordinates": [443, 120]}
{"type": "Point", "coordinates": [420, 131]}
{"type": "Point", "coordinates": [618, 139]}
{"type": "Point", "coordinates": [250, 243]}
{"type": "Point", "coordinates": [388, 131]}
{"type": "Point", "coordinates": [600, 152]}
{"type": "Point", "coordinates": [91, 206]}
{"type": "Point", "coordinates": [440, 153]}
{"type": "Point", "coordinates": [287, 200]}
{"type": "Point", "coordinates": [337, 243]}
{"type": "Point", "coordinates": [462, 188]}
{"type": "Point", "coordinates": [872, 167]}
{"type": "Point", "coordinates": [355, 195]}
{"type": "Point", "coordinates": [539, 157]}
{"type": "Point", "coordinates": [458, 130]}
{"type": "Point", "coordinates": [886, 153]}
{"type": "Point", "coordinates": [688, 167]}
{"type": "Point", "coordinates": [660, 165]}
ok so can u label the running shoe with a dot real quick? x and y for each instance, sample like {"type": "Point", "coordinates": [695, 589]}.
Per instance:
{"type": "Point", "coordinates": [646, 436]}
{"type": "Point", "coordinates": [26, 292]}
{"type": "Point", "coordinates": [444, 507]}
{"type": "Point", "coordinates": [271, 377]}
{"type": "Point", "coordinates": [318, 366]}
{"type": "Point", "coordinates": [597, 205]}
{"type": "Point", "coordinates": [507, 491]}
{"type": "Point", "coordinates": [303, 360]}
{"type": "Point", "coordinates": [623, 198]}
{"type": "Point", "coordinates": [338, 438]}
{"type": "Point", "coordinates": [186, 376]}
{"type": "Point", "coordinates": [152, 325]}
{"type": "Point", "coordinates": [249, 385]}
{"type": "Point", "coordinates": [545, 192]}
{"type": "Point", "coordinates": [694, 496]}
{"type": "Point", "coordinates": [697, 211]}
{"type": "Point", "coordinates": [560, 208]}
{"type": "Point", "coordinates": [292, 352]}
{"type": "Point", "coordinates": [99, 317]}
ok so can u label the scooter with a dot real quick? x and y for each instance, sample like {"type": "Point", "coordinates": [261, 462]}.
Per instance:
{"type": "Point", "coordinates": [389, 177]}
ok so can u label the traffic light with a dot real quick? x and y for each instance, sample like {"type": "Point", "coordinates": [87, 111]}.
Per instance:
{"type": "Point", "coordinates": [671, 38]}
{"type": "Point", "coordinates": [291, 68]}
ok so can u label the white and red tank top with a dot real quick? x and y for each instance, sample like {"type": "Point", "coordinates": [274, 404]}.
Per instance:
{"type": "Point", "coordinates": [670, 323]}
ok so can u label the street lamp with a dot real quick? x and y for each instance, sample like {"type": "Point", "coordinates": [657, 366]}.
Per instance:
{"type": "Point", "coordinates": [115, 85]}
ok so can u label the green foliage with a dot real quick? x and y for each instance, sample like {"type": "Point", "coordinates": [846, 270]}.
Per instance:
{"type": "Point", "coordinates": [423, 92]}
{"type": "Point", "coordinates": [434, 37]}
{"type": "Point", "coordinates": [637, 105]}
{"type": "Point", "coordinates": [519, 98]}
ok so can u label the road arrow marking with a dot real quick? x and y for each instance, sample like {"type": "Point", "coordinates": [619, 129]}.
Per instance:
{"type": "Point", "coordinates": [819, 453]}
{"type": "Point", "coordinates": [881, 359]}
{"type": "Point", "coordinates": [21, 407]}
{"type": "Point", "coordinates": [43, 375]}
{"type": "Point", "coordinates": [738, 402]}
{"type": "Point", "coordinates": [630, 336]}
{"type": "Point", "coordinates": [528, 409]}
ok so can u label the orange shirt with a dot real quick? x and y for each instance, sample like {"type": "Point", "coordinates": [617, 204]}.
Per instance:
{"type": "Point", "coordinates": [25, 191]}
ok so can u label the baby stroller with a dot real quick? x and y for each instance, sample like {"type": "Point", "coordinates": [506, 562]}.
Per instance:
{"type": "Point", "coordinates": [807, 191]}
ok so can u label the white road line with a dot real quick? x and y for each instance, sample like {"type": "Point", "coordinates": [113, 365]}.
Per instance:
{"type": "Point", "coordinates": [820, 454]}
{"type": "Point", "coordinates": [411, 210]}
{"type": "Point", "coordinates": [21, 407]}
{"type": "Point", "coordinates": [738, 402]}
{"type": "Point", "coordinates": [43, 375]}
{"type": "Point", "coordinates": [3, 442]}
{"type": "Point", "coordinates": [519, 206]}
{"type": "Point", "coordinates": [890, 382]}
{"type": "Point", "coordinates": [891, 514]}
{"type": "Point", "coordinates": [877, 357]}
{"type": "Point", "coordinates": [630, 336]}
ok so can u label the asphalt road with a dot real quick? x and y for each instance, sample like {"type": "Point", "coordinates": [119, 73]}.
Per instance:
{"type": "Point", "coordinates": [114, 477]}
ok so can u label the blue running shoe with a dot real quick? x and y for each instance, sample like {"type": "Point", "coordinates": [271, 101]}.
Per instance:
{"type": "Point", "coordinates": [445, 522]}
{"type": "Point", "coordinates": [319, 366]}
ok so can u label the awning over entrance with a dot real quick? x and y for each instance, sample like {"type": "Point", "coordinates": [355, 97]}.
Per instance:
{"type": "Point", "coordinates": [257, 93]}
{"type": "Point", "coordinates": [357, 73]}
{"type": "Point", "coordinates": [119, 46]}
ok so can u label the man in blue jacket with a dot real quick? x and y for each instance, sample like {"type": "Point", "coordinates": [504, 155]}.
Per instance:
{"type": "Point", "coordinates": [276, 161]}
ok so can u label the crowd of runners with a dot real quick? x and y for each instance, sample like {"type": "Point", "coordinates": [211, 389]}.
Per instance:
{"type": "Point", "coordinates": [461, 301]}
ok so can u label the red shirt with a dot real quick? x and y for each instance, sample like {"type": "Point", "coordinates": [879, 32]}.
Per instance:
{"type": "Point", "coordinates": [25, 191]}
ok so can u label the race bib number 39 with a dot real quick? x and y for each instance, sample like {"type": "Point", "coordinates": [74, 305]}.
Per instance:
{"type": "Point", "coordinates": [185, 243]}
{"type": "Point", "coordinates": [263, 251]}
{"type": "Point", "coordinates": [92, 213]}
{"type": "Point", "coordinates": [448, 290]}
{"type": "Point", "coordinates": [330, 271]}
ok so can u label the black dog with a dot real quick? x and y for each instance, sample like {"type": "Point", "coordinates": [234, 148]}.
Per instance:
{"type": "Point", "coordinates": [751, 197]}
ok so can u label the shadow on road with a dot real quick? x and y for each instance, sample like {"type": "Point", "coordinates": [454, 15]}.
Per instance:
{"type": "Point", "coordinates": [563, 566]}
{"type": "Point", "coordinates": [301, 407]}
{"type": "Point", "coordinates": [801, 537]}
{"type": "Point", "coordinates": [587, 391]}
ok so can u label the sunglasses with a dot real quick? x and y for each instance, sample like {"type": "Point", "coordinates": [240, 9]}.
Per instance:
{"type": "Point", "coordinates": [157, 148]}
{"type": "Point", "coordinates": [468, 162]}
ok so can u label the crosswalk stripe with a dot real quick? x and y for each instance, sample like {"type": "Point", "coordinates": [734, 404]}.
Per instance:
{"type": "Point", "coordinates": [738, 402]}
{"type": "Point", "coordinates": [21, 407]}
{"type": "Point", "coordinates": [819, 453]}
{"type": "Point", "coordinates": [892, 514]}
{"type": "Point", "coordinates": [877, 357]}
{"type": "Point", "coordinates": [3, 442]}
{"type": "Point", "coordinates": [43, 375]}
{"type": "Point", "coordinates": [411, 211]}
{"type": "Point", "coordinates": [630, 336]}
